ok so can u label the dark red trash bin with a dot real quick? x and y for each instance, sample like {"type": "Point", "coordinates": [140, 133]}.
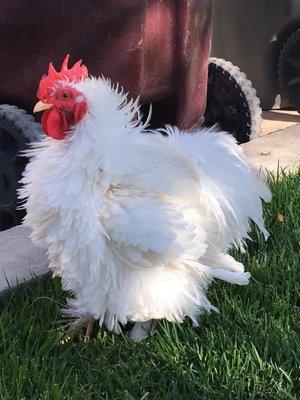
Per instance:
{"type": "Point", "coordinates": [156, 49]}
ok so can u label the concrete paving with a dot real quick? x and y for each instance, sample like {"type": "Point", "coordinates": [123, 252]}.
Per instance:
{"type": "Point", "coordinates": [275, 120]}
{"type": "Point", "coordinates": [279, 148]}
{"type": "Point", "coordinates": [20, 259]}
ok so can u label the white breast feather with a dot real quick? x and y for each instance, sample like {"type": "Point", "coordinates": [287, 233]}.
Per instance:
{"type": "Point", "coordinates": [137, 224]}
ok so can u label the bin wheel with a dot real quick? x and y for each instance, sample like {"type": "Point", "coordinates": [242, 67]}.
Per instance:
{"type": "Point", "coordinates": [17, 130]}
{"type": "Point", "coordinates": [289, 70]}
{"type": "Point", "coordinates": [231, 101]}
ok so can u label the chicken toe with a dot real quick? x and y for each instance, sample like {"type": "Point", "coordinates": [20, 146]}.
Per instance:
{"type": "Point", "coordinates": [80, 323]}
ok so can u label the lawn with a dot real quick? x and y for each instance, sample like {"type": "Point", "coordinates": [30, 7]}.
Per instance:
{"type": "Point", "coordinates": [250, 350]}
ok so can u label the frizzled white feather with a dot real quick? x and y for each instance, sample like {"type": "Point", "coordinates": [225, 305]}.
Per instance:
{"type": "Point", "coordinates": [137, 223]}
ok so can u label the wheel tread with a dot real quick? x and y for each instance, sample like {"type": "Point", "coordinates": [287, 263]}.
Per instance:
{"type": "Point", "coordinates": [285, 47]}
{"type": "Point", "coordinates": [23, 122]}
{"type": "Point", "coordinates": [245, 85]}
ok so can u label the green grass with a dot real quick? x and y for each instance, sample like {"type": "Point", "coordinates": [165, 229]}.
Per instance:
{"type": "Point", "coordinates": [251, 350]}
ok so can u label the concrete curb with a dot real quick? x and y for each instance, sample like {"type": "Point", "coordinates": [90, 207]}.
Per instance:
{"type": "Point", "coordinates": [280, 148]}
{"type": "Point", "coordinates": [20, 259]}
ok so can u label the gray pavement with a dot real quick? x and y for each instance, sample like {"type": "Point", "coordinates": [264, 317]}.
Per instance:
{"type": "Point", "coordinates": [20, 259]}
{"type": "Point", "coordinates": [281, 147]}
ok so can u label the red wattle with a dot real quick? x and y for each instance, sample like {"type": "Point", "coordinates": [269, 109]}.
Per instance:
{"type": "Point", "coordinates": [54, 124]}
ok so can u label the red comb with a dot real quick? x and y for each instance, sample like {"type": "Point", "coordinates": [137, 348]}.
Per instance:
{"type": "Point", "coordinates": [74, 74]}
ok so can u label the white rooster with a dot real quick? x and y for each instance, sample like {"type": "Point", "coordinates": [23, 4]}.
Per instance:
{"type": "Point", "coordinates": [136, 223]}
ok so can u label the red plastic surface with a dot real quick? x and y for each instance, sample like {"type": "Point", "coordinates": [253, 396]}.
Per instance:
{"type": "Point", "coordinates": [155, 49]}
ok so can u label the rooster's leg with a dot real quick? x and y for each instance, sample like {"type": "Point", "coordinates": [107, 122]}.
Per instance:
{"type": "Point", "coordinates": [141, 330]}
{"type": "Point", "coordinates": [80, 323]}
{"type": "Point", "coordinates": [89, 330]}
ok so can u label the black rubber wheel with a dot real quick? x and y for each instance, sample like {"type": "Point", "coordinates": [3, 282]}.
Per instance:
{"type": "Point", "coordinates": [232, 103]}
{"type": "Point", "coordinates": [17, 129]}
{"type": "Point", "coordinates": [289, 70]}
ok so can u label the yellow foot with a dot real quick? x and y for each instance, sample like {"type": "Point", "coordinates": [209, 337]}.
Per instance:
{"type": "Point", "coordinates": [89, 330]}
{"type": "Point", "coordinates": [80, 323]}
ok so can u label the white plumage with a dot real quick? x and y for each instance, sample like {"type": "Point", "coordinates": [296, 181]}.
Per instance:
{"type": "Point", "coordinates": [136, 223]}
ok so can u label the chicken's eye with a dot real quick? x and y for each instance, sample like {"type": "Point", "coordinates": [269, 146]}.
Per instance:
{"type": "Point", "coordinates": [65, 96]}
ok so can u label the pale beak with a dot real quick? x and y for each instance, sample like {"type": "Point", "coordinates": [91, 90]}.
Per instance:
{"type": "Point", "coordinates": [40, 106]}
